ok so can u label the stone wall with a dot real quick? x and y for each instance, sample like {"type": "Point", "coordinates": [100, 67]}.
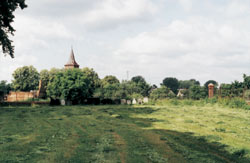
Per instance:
{"type": "Point", "coordinates": [21, 96]}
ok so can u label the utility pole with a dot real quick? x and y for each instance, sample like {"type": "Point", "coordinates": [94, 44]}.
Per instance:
{"type": "Point", "coordinates": [127, 75]}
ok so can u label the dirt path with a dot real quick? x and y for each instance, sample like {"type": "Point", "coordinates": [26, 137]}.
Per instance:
{"type": "Point", "coordinates": [121, 144]}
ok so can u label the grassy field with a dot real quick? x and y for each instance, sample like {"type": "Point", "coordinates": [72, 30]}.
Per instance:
{"type": "Point", "coordinates": [159, 133]}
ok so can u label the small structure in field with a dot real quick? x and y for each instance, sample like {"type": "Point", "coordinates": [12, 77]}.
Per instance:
{"type": "Point", "coordinates": [181, 93]}
{"type": "Point", "coordinates": [129, 102]}
{"type": "Point", "coordinates": [145, 100]}
{"type": "Point", "coordinates": [123, 101]}
{"type": "Point", "coordinates": [134, 101]}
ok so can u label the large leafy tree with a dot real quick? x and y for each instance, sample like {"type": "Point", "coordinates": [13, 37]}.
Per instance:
{"type": "Point", "coordinates": [197, 92]}
{"type": "Point", "coordinates": [186, 84]}
{"type": "Point", "coordinates": [140, 86]}
{"type": "Point", "coordinates": [44, 77]}
{"type": "Point", "coordinates": [93, 77]}
{"type": "Point", "coordinates": [246, 81]}
{"type": "Point", "coordinates": [171, 83]}
{"type": "Point", "coordinates": [211, 81]}
{"type": "Point", "coordinates": [25, 79]}
{"type": "Point", "coordinates": [161, 93]}
{"type": "Point", "coordinates": [7, 8]}
{"type": "Point", "coordinates": [110, 79]}
{"type": "Point", "coordinates": [110, 87]}
{"type": "Point", "coordinates": [70, 84]}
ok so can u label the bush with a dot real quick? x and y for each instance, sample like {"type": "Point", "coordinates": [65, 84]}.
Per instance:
{"type": "Point", "coordinates": [234, 103]}
{"type": "Point", "coordinates": [161, 93]}
{"type": "Point", "coordinates": [197, 92]}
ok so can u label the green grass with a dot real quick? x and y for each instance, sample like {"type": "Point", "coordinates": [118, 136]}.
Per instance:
{"type": "Point", "coordinates": [173, 132]}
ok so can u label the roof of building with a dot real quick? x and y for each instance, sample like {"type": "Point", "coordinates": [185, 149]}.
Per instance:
{"type": "Point", "coordinates": [72, 61]}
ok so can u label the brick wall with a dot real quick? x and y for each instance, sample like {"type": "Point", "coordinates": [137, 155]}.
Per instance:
{"type": "Point", "coordinates": [20, 96]}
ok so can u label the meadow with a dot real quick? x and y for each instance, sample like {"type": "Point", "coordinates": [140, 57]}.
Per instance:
{"type": "Point", "coordinates": [170, 131]}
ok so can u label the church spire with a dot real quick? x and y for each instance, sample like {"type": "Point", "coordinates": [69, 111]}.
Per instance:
{"type": "Point", "coordinates": [71, 62]}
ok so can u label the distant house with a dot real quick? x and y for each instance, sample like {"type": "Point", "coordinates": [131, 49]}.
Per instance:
{"type": "Point", "coordinates": [181, 92]}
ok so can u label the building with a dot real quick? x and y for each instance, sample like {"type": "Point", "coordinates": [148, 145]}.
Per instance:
{"type": "Point", "coordinates": [71, 62]}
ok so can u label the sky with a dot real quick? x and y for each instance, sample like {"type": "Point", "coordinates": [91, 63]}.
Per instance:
{"type": "Point", "coordinates": [186, 39]}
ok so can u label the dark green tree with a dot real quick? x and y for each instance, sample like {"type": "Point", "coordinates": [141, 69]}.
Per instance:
{"type": "Point", "coordinates": [7, 8]}
{"type": "Point", "coordinates": [44, 76]}
{"type": "Point", "coordinates": [211, 81]}
{"type": "Point", "coordinates": [161, 93]}
{"type": "Point", "coordinates": [171, 83]}
{"type": "Point", "coordinates": [246, 81]}
{"type": "Point", "coordinates": [186, 84]}
{"type": "Point", "coordinates": [25, 79]}
{"type": "Point", "coordinates": [4, 89]}
{"type": "Point", "coordinates": [110, 79]}
{"type": "Point", "coordinates": [197, 92]}
{"type": "Point", "coordinates": [140, 86]}
{"type": "Point", "coordinates": [94, 79]}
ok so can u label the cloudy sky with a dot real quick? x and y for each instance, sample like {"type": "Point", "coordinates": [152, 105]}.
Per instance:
{"type": "Point", "coordinates": [208, 39]}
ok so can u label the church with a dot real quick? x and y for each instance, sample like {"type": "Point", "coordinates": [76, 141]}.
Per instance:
{"type": "Point", "coordinates": [71, 62]}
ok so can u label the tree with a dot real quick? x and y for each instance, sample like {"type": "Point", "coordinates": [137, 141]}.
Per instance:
{"type": "Point", "coordinates": [93, 77]}
{"type": "Point", "coordinates": [7, 7]}
{"type": "Point", "coordinates": [161, 93]}
{"type": "Point", "coordinates": [25, 79]}
{"type": "Point", "coordinates": [197, 92]}
{"type": "Point", "coordinates": [186, 84]}
{"type": "Point", "coordinates": [140, 86]}
{"type": "Point", "coordinates": [109, 80]}
{"type": "Point", "coordinates": [4, 89]}
{"type": "Point", "coordinates": [246, 81]}
{"type": "Point", "coordinates": [71, 85]}
{"type": "Point", "coordinates": [211, 81]}
{"type": "Point", "coordinates": [171, 83]}
{"type": "Point", "coordinates": [138, 79]}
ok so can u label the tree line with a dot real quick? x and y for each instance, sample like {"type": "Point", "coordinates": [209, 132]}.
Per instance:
{"type": "Point", "coordinates": [79, 84]}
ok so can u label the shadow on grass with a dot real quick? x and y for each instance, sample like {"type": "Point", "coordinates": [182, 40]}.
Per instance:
{"type": "Point", "coordinates": [192, 148]}
{"type": "Point", "coordinates": [198, 149]}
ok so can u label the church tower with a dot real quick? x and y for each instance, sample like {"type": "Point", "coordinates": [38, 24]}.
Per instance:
{"type": "Point", "coordinates": [72, 62]}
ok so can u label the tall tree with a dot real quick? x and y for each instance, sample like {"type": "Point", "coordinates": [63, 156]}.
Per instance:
{"type": "Point", "coordinates": [171, 83]}
{"type": "Point", "coordinates": [25, 79]}
{"type": "Point", "coordinates": [93, 77]}
{"type": "Point", "coordinates": [211, 81]}
{"type": "Point", "coordinates": [141, 87]}
{"type": "Point", "coordinates": [161, 93]}
{"type": "Point", "coordinates": [197, 92]}
{"type": "Point", "coordinates": [70, 84]}
{"type": "Point", "coordinates": [186, 84]}
{"type": "Point", "coordinates": [110, 79]}
{"type": "Point", "coordinates": [7, 8]}
{"type": "Point", "coordinates": [4, 89]}
{"type": "Point", "coordinates": [246, 81]}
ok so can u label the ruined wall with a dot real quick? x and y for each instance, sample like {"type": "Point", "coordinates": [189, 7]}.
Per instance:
{"type": "Point", "coordinates": [20, 96]}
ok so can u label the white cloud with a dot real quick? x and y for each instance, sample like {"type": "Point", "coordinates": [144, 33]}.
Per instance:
{"type": "Point", "coordinates": [194, 48]}
{"type": "Point", "coordinates": [186, 4]}
{"type": "Point", "coordinates": [42, 28]}
{"type": "Point", "coordinates": [108, 13]}
{"type": "Point", "coordinates": [237, 8]}
{"type": "Point", "coordinates": [9, 65]}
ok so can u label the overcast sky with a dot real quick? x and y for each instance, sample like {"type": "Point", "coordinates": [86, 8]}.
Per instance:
{"type": "Point", "coordinates": [208, 39]}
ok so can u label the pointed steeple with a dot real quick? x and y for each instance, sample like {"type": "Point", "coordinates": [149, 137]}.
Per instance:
{"type": "Point", "coordinates": [71, 62]}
